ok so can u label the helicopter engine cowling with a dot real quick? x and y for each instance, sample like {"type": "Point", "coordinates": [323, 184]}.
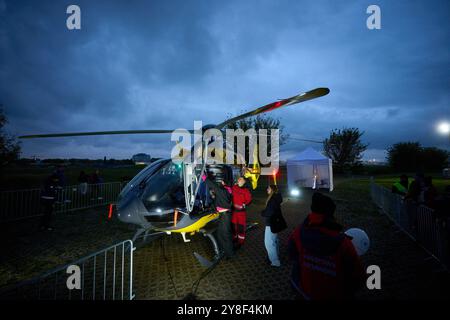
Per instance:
{"type": "Point", "coordinates": [219, 173]}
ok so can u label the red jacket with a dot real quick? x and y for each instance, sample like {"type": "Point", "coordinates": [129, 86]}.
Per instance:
{"type": "Point", "coordinates": [326, 265]}
{"type": "Point", "coordinates": [241, 197]}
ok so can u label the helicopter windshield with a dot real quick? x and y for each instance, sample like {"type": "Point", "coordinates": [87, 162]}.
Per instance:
{"type": "Point", "coordinates": [142, 175]}
{"type": "Point", "coordinates": [164, 190]}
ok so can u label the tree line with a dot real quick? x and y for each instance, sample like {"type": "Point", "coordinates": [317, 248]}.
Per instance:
{"type": "Point", "coordinates": [344, 146]}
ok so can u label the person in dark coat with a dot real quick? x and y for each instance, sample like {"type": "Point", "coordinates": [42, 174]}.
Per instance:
{"type": "Point", "coordinates": [430, 193]}
{"type": "Point", "coordinates": [415, 190]}
{"type": "Point", "coordinates": [96, 182]}
{"type": "Point", "coordinates": [222, 203]}
{"type": "Point", "coordinates": [273, 207]}
{"type": "Point", "coordinates": [83, 180]}
{"type": "Point", "coordinates": [48, 198]}
{"type": "Point", "coordinates": [326, 265]}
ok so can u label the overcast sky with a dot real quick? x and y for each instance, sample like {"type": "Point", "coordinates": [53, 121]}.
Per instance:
{"type": "Point", "coordinates": [164, 64]}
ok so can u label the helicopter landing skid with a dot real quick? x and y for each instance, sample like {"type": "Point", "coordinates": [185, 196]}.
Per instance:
{"type": "Point", "coordinates": [183, 234]}
{"type": "Point", "coordinates": [209, 234]}
{"type": "Point", "coordinates": [138, 233]}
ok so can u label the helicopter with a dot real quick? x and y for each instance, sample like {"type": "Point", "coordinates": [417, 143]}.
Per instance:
{"type": "Point", "coordinates": [170, 196]}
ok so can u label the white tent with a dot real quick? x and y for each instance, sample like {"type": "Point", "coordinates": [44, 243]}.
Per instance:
{"type": "Point", "coordinates": [309, 169]}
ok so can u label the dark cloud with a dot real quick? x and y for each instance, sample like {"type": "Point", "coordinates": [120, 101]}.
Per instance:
{"type": "Point", "coordinates": [164, 64]}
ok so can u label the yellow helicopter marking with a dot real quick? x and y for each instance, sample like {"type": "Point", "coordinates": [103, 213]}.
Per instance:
{"type": "Point", "coordinates": [253, 173]}
{"type": "Point", "coordinates": [197, 225]}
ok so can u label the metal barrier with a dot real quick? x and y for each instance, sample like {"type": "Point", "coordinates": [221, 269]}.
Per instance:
{"type": "Point", "coordinates": [105, 275]}
{"type": "Point", "coordinates": [21, 204]}
{"type": "Point", "coordinates": [418, 221]}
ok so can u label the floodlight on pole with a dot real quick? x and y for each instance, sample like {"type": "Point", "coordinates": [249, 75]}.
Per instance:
{"type": "Point", "coordinates": [444, 128]}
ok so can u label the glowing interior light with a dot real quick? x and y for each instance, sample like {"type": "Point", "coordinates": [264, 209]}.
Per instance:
{"type": "Point", "coordinates": [158, 210]}
{"type": "Point", "coordinates": [295, 192]}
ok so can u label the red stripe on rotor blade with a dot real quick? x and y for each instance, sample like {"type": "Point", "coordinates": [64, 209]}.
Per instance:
{"type": "Point", "coordinates": [276, 105]}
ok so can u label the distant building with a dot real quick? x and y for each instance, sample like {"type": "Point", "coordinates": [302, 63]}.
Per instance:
{"type": "Point", "coordinates": [374, 162]}
{"type": "Point", "coordinates": [142, 158]}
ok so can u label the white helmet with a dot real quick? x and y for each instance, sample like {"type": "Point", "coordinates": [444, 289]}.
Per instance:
{"type": "Point", "coordinates": [360, 240]}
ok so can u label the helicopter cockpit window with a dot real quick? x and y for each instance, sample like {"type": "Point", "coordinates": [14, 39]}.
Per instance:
{"type": "Point", "coordinates": [143, 174]}
{"type": "Point", "coordinates": [164, 189]}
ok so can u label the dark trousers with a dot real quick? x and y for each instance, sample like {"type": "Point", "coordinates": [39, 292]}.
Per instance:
{"type": "Point", "coordinates": [47, 211]}
{"type": "Point", "coordinates": [225, 235]}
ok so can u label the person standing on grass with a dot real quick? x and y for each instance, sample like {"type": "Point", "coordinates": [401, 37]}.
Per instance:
{"type": "Point", "coordinates": [96, 181]}
{"type": "Point", "coordinates": [83, 180]}
{"type": "Point", "coordinates": [48, 198]}
{"type": "Point", "coordinates": [272, 209]}
{"type": "Point", "coordinates": [416, 189]}
{"type": "Point", "coordinates": [326, 265]}
{"type": "Point", "coordinates": [401, 187]}
{"type": "Point", "coordinates": [430, 193]}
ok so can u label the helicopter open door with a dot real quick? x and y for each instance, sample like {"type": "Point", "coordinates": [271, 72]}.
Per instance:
{"type": "Point", "coordinates": [192, 175]}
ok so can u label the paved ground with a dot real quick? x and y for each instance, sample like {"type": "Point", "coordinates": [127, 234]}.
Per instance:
{"type": "Point", "coordinates": [247, 276]}
{"type": "Point", "coordinates": [406, 272]}
{"type": "Point", "coordinates": [168, 269]}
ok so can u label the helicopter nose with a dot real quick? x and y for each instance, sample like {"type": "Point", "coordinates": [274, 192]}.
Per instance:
{"type": "Point", "coordinates": [131, 210]}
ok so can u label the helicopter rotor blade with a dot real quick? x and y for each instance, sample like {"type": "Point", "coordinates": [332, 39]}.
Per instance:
{"type": "Point", "coordinates": [306, 140]}
{"type": "Point", "coordinates": [315, 93]}
{"type": "Point", "coordinates": [95, 133]}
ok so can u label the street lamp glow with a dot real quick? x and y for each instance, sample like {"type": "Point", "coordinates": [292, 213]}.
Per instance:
{"type": "Point", "coordinates": [444, 128]}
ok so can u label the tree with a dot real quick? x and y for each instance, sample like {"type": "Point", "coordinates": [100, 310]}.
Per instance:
{"type": "Point", "coordinates": [345, 148]}
{"type": "Point", "coordinates": [260, 122]}
{"type": "Point", "coordinates": [412, 157]}
{"type": "Point", "coordinates": [404, 156]}
{"type": "Point", "coordinates": [433, 159]}
{"type": "Point", "coordinates": [9, 147]}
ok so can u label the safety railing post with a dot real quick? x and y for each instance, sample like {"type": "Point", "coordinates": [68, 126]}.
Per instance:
{"type": "Point", "coordinates": [418, 221]}
{"type": "Point", "coordinates": [94, 267]}
{"type": "Point", "coordinates": [22, 204]}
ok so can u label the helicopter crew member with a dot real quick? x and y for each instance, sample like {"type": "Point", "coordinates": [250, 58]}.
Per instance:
{"type": "Point", "coordinates": [326, 265]}
{"type": "Point", "coordinates": [241, 199]}
{"type": "Point", "coordinates": [222, 203]}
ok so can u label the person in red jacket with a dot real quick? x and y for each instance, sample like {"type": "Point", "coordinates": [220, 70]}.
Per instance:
{"type": "Point", "coordinates": [241, 199]}
{"type": "Point", "coordinates": [325, 263]}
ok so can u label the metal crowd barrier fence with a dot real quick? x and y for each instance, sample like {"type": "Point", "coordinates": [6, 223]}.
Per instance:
{"type": "Point", "coordinates": [21, 204]}
{"type": "Point", "coordinates": [104, 275]}
{"type": "Point", "coordinates": [418, 221]}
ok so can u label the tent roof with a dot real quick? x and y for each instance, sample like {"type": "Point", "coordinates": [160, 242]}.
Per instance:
{"type": "Point", "coordinates": [308, 155]}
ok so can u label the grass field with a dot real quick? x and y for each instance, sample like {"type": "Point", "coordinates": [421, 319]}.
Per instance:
{"type": "Point", "coordinates": [387, 181]}
{"type": "Point", "coordinates": [32, 177]}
